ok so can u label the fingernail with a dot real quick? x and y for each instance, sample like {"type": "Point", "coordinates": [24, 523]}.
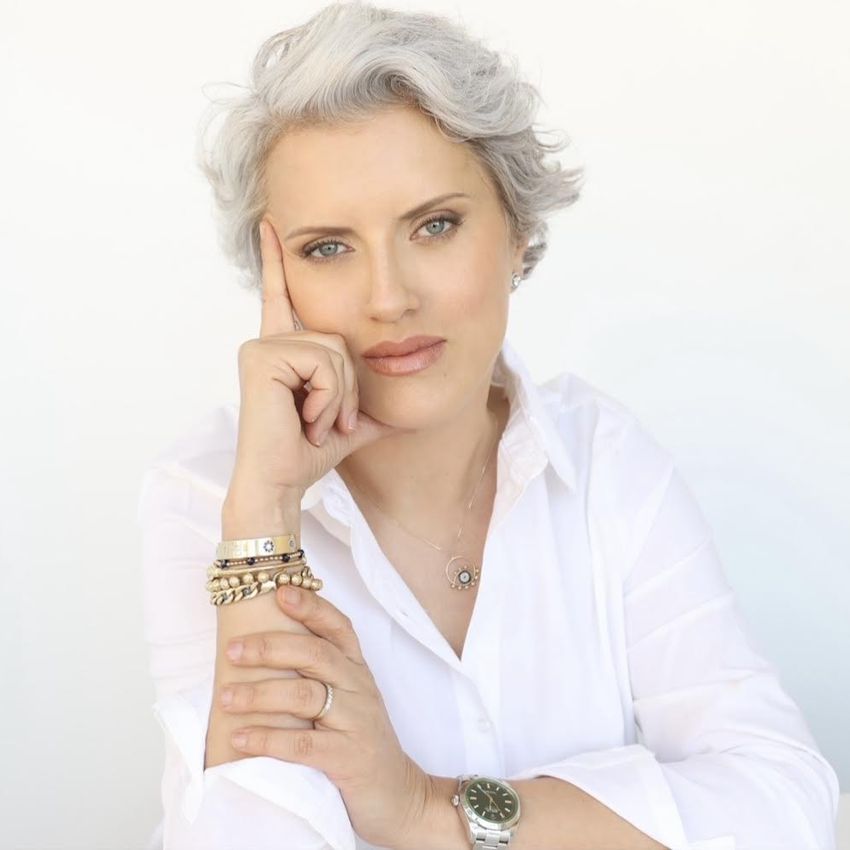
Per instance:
{"type": "Point", "coordinates": [352, 421]}
{"type": "Point", "coordinates": [234, 651]}
{"type": "Point", "coordinates": [292, 596]}
{"type": "Point", "coordinates": [227, 696]}
{"type": "Point", "coordinates": [239, 739]}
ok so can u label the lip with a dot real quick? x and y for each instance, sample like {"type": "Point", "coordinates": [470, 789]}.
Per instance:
{"type": "Point", "coordinates": [388, 348]}
{"type": "Point", "coordinates": [407, 364]}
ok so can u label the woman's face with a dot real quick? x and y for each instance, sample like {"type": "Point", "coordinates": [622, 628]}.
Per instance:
{"type": "Point", "coordinates": [444, 272]}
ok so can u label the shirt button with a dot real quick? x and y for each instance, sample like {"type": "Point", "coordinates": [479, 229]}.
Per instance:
{"type": "Point", "coordinates": [483, 724]}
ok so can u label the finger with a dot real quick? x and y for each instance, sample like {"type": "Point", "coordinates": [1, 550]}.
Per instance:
{"type": "Point", "coordinates": [338, 410]}
{"type": "Point", "coordinates": [276, 314]}
{"type": "Point", "coordinates": [300, 696]}
{"type": "Point", "coordinates": [333, 408]}
{"type": "Point", "coordinates": [323, 618]}
{"type": "Point", "coordinates": [309, 655]}
{"type": "Point", "coordinates": [328, 414]}
{"type": "Point", "coordinates": [326, 387]}
{"type": "Point", "coordinates": [300, 362]}
{"type": "Point", "coordinates": [350, 397]}
{"type": "Point", "coordinates": [325, 749]}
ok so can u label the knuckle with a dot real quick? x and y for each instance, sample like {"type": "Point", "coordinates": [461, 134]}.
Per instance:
{"type": "Point", "coordinates": [337, 634]}
{"type": "Point", "coordinates": [247, 696]}
{"type": "Point", "coordinates": [302, 694]}
{"type": "Point", "coordinates": [319, 652]}
{"type": "Point", "coordinates": [303, 744]}
{"type": "Point", "coordinates": [264, 648]}
{"type": "Point", "coordinates": [341, 631]}
{"type": "Point", "coordinates": [261, 742]}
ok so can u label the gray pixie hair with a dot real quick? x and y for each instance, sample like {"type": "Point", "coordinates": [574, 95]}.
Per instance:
{"type": "Point", "coordinates": [352, 58]}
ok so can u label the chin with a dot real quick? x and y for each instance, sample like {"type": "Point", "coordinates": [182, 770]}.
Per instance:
{"type": "Point", "coordinates": [404, 403]}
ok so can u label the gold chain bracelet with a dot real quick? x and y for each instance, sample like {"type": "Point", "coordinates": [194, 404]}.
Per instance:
{"type": "Point", "coordinates": [241, 572]}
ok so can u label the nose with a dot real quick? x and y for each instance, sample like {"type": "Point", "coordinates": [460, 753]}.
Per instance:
{"type": "Point", "coordinates": [390, 292]}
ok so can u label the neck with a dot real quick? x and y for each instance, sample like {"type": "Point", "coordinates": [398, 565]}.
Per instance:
{"type": "Point", "coordinates": [431, 472]}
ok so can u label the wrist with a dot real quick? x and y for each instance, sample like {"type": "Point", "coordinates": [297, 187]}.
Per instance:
{"type": "Point", "coordinates": [440, 827]}
{"type": "Point", "coordinates": [249, 515]}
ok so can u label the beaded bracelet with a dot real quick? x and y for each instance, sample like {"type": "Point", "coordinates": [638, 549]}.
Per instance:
{"type": "Point", "coordinates": [284, 557]}
{"type": "Point", "coordinates": [224, 569]}
{"type": "Point", "coordinates": [233, 579]}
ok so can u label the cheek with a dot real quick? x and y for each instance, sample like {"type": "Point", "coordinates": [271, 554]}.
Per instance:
{"type": "Point", "coordinates": [477, 295]}
{"type": "Point", "coordinates": [478, 318]}
{"type": "Point", "coordinates": [322, 311]}
{"type": "Point", "coordinates": [477, 282]}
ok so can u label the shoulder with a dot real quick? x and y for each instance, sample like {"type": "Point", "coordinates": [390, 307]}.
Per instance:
{"type": "Point", "coordinates": [196, 463]}
{"type": "Point", "coordinates": [206, 440]}
{"type": "Point", "coordinates": [621, 466]}
{"type": "Point", "coordinates": [596, 423]}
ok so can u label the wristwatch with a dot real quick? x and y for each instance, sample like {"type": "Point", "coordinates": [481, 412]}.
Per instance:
{"type": "Point", "coordinates": [489, 808]}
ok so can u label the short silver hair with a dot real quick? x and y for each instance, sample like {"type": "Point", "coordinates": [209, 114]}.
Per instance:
{"type": "Point", "coordinates": [352, 58]}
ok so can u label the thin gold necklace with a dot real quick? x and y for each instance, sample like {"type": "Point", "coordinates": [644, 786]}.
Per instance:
{"type": "Point", "coordinates": [461, 573]}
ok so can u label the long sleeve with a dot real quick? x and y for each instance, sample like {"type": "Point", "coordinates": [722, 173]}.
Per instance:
{"type": "Point", "coordinates": [257, 803]}
{"type": "Point", "coordinates": [724, 759]}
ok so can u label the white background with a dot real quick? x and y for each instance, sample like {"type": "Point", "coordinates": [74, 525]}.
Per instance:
{"type": "Point", "coordinates": [702, 280]}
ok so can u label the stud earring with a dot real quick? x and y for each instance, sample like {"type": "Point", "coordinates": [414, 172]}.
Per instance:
{"type": "Point", "coordinates": [516, 279]}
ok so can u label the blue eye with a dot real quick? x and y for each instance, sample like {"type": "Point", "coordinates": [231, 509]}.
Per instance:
{"type": "Point", "coordinates": [319, 245]}
{"type": "Point", "coordinates": [455, 220]}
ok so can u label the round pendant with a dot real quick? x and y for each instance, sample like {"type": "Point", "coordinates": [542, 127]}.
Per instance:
{"type": "Point", "coordinates": [461, 572]}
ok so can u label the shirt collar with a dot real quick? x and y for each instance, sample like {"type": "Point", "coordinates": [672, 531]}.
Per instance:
{"type": "Point", "coordinates": [531, 439]}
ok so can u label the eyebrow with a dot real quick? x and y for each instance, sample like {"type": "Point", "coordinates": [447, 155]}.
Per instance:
{"type": "Point", "coordinates": [346, 231]}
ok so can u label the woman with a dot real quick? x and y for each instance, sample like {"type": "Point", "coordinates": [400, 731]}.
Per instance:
{"type": "Point", "coordinates": [516, 630]}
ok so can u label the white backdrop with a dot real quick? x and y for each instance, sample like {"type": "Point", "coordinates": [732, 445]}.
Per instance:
{"type": "Point", "coordinates": [702, 280]}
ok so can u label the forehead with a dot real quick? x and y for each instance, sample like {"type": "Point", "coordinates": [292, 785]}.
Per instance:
{"type": "Point", "coordinates": [396, 155]}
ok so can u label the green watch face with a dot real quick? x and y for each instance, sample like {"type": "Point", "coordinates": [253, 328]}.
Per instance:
{"type": "Point", "coordinates": [491, 800]}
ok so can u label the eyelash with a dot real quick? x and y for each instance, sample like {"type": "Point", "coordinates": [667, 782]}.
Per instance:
{"type": "Point", "coordinates": [455, 220]}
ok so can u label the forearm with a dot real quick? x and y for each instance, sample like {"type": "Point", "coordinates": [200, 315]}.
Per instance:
{"type": "Point", "coordinates": [556, 815]}
{"type": "Point", "coordinates": [241, 518]}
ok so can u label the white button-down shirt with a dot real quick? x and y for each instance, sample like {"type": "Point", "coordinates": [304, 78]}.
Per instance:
{"type": "Point", "coordinates": [606, 647]}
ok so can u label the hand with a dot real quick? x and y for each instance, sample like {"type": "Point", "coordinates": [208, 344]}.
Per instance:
{"type": "Point", "coordinates": [273, 454]}
{"type": "Point", "coordinates": [385, 792]}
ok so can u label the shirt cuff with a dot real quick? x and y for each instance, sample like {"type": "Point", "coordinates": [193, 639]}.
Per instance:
{"type": "Point", "coordinates": [630, 781]}
{"type": "Point", "coordinates": [303, 790]}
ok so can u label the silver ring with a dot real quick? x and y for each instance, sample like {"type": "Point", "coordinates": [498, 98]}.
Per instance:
{"type": "Point", "coordinates": [328, 701]}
